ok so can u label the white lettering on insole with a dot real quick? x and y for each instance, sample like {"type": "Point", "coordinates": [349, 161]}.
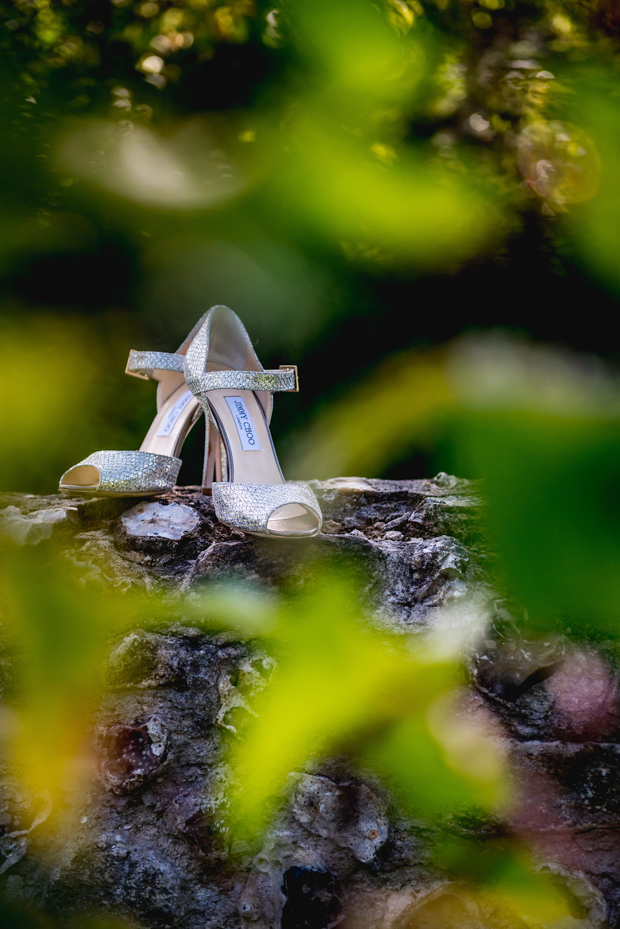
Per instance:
{"type": "Point", "coordinates": [168, 424]}
{"type": "Point", "coordinates": [244, 424]}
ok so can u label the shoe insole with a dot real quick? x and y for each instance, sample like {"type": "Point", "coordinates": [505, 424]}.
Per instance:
{"type": "Point", "coordinates": [165, 436]}
{"type": "Point", "coordinates": [252, 459]}
{"type": "Point", "coordinates": [172, 423]}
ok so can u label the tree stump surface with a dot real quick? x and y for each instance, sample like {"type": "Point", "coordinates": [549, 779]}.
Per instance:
{"type": "Point", "coordinates": [146, 840]}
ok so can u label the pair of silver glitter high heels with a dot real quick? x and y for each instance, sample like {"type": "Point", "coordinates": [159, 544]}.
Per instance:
{"type": "Point", "coordinates": [215, 371]}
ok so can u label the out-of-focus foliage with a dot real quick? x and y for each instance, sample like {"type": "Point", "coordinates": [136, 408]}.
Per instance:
{"type": "Point", "coordinates": [57, 621]}
{"type": "Point", "coordinates": [541, 427]}
{"type": "Point", "coordinates": [543, 430]}
{"type": "Point", "coordinates": [56, 628]}
{"type": "Point", "coordinates": [169, 155]}
{"type": "Point", "coordinates": [597, 107]}
{"type": "Point", "coordinates": [339, 682]}
{"type": "Point", "coordinates": [375, 424]}
{"type": "Point", "coordinates": [54, 401]}
{"type": "Point", "coordinates": [394, 705]}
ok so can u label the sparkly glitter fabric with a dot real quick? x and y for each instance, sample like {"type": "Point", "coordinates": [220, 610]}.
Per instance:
{"type": "Point", "coordinates": [222, 340]}
{"type": "Point", "coordinates": [249, 506]}
{"type": "Point", "coordinates": [243, 380]}
{"type": "Point", "coordinates": [196, 358]}
{"type": "Point", "coordinates": [129, 472]}
{"type": "Point", "coordinates": [199, 351]}
{"type": "Point", "coordinates": [145, 363]}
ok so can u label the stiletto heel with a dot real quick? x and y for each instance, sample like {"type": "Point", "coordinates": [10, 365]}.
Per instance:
{"type": "Point", "coordinates": [155, 467]}
{"type": "Point", "coordinates": [236, 395]}
{"type": "Point", "coordinates": [212, 453]}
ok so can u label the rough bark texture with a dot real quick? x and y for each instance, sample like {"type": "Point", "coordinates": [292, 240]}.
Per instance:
{"type": "Point", "coordinates": [148, 840]}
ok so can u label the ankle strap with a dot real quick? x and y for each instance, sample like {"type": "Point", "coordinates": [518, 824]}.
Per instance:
{"type": "Point", "coordinates": [284, 379]}
{"type": "Point", "coordinates": [143, 364]}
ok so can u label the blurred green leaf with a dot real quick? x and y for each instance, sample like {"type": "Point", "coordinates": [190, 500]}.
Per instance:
{"type": "Point", "coordinates": [354, 51]}
{"type": "Point", "coordinates": [595, 229]}
{"type": "Point", "coordinates": [421, 773]}
{"type": "Point", "coordinates": [551, 484]}
{"type": "Point", "coordinates": [58, 390]}
{"type": "Point", "coordinates": [57, 628]}
{"type": "Point", "coordinates": [402, 403]}
{"type": "Point", "coordinates": [409, 211]}
{"type": "Point", "coordinates": [543, 431]}
{"type": "Point", "coordinates": [339, 684]}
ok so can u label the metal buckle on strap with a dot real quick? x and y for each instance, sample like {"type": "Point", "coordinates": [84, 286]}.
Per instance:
{"type": "Point", "coordinates": [143, 377]}
{"type": "Point", "coordinates": [295, 389]}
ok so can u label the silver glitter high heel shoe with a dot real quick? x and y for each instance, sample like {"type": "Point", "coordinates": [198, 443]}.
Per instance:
{"type": "Point", "coordinates": [236, 394]}
{"type": "Point", "coordinates": [155, 467]}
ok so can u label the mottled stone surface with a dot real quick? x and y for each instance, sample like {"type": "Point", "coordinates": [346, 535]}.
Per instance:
{"type": "Point", "coordinates": [411, 539]}
{"type": "Point", "coordinates": [173, 521]}
{"type": "Point", "coordinates": [149, 840]}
